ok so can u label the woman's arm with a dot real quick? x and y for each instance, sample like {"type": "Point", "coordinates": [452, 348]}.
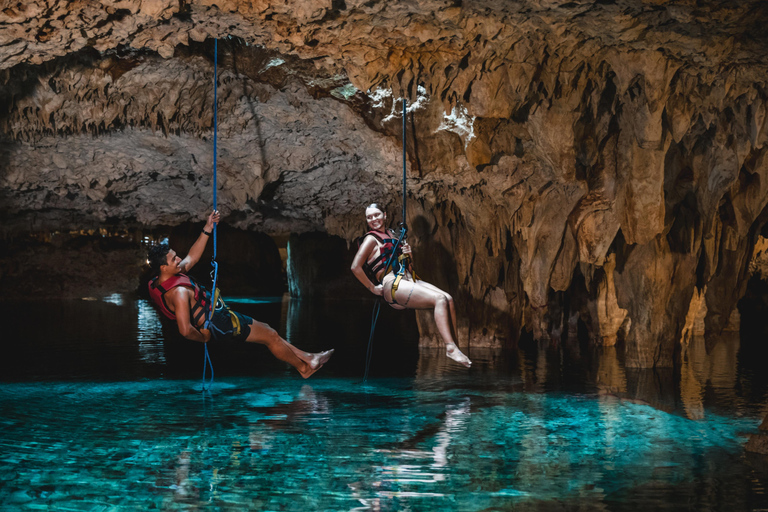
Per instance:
{"type": "Point", "coordinates": [366, 248]}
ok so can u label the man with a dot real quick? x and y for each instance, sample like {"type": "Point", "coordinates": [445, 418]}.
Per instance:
{"type": "Point", "coordinates": [181, 299]}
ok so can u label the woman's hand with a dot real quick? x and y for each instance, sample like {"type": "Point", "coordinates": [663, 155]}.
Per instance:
{"type": "Point", "coordinates": [378, 290]}
{"type": "Point", "coordinates": [406, 247]}
{"type": "Point", "coordinates": [213, 218]}
{"type": "Point", "coordinates": [206, 335]}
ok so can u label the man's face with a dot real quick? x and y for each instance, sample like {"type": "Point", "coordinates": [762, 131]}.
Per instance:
{"type": "Point", "coordinates": [172, 262]}
{"type": "Point", "coordinates": [375, 218]}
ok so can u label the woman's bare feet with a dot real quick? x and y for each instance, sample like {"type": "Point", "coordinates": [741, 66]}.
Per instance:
{"type": "Point", "coordinates": [316, 361]}
{"type": "Point", "coordinates": [452, 351]}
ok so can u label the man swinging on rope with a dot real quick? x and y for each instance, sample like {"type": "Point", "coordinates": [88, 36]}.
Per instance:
{"type": "Point", "coordinates": [180, 298]}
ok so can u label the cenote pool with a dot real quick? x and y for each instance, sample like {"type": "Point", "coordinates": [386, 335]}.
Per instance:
{"type": "Point", "coordinates": [102, 409]}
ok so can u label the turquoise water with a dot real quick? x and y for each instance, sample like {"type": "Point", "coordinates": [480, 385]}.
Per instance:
{"type": "Point", "coordinates": [334, 444]}
{"type": "Point", "coordinates": [535, 429]}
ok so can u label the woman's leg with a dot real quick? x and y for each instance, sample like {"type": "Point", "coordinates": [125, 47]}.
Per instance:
{"type": "Point", "coordinates": [451, 305]}
{"type": "Point", "coordinates": [416, 296]}
{"type": "Point", "coordinates": [306, 363]}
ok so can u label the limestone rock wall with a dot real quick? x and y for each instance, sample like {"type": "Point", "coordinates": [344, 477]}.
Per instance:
{"type": "Point", "coordinates": [593, 163]}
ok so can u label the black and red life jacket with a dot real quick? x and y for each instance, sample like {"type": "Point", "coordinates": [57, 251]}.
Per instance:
{"type": "Point", "coordinates": [372, 268]}
{"type": "Point", "coordinates": [202, 302]}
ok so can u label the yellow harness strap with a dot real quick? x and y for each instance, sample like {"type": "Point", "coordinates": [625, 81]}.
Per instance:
{"type": "Point", "coordinates": [236, 327]}
{"type": "Point", "coordinates": [404, 260]}
{"type": "Point", "coordinates": [235, 324]}
{"type": "Point", "coordinates": [395, 285]}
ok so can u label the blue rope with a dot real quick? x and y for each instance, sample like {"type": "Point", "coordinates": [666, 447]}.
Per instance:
{"type": "Point", "coordinates": [215, 272]}
{"type": "Point", "coordinates": [215, 116]}
{"type": "Point", "coordinates": [207, 362]}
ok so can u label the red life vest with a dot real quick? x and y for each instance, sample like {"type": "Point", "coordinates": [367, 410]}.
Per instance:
{"type": "Point", "coordinates": [372, 268]}
{"type": "Point", "coordinates": [202, 302]}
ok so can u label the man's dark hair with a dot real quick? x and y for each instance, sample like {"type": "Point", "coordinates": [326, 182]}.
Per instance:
{"type": "Point", "coordinates": [157, 256]}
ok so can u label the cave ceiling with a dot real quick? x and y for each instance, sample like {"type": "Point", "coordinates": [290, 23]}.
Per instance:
{"type": "Point", "coordinates": [549, 137]}
{"type": "Point", "coordinates": [110, 102]}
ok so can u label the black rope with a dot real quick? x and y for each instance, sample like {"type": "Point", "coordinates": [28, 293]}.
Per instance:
{"type": "Point", "coordinates": [404, 156]}
{"type": "Point", "coordinates": [403, 231]}
{"type": "Point", "coordinates": [369, 352]}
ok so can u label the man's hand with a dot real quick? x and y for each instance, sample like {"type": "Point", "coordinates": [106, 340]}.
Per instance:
{"type": "Point", "coordinates": [406, 247]}
{"type": "Point", "coordinates": [213, 218]}
{"type": "Point", "coordinates": [206, 335]}
{"type": "Point", "coordinates": [378, 290]}
{"type": "Point", "coordinates": [199, 246]}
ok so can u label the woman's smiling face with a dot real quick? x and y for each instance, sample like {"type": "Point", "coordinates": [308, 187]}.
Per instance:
{"type": "Point", "coordinates": [375, 218]}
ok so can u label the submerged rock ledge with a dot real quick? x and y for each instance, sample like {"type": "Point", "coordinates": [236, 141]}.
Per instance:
{"type": "Point", "coordinates": [594, 163]}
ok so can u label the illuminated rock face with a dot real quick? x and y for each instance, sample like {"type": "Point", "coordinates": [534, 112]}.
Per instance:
{"type": "Point", "coordinates": [585, 163]}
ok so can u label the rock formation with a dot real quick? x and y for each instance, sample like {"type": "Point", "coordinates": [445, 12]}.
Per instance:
{"type": "Point", "coordinates": [583, 163]}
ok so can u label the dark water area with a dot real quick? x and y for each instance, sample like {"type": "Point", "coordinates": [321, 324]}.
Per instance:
{"type": "Point", "coordinates": [120, 337]}
{"type": "Point", "coordinates": [102, 409]}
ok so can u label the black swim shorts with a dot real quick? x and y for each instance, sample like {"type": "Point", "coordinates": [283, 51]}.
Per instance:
{"type": "Point", "coordinates": [230, 325]}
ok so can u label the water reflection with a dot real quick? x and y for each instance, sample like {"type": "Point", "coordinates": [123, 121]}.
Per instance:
{"type": "Point", "coordinates": [149, 334]}
{"type": "Point", "coordinates": [115, 298]}
{"type": "Point", "coordinates": [611, 378]}
{"type": "Point", "coordinates": [714, 373]}
{"type": "Point", "coordinates": [122, 337]}
{"type": "Point", "coordinates": [345, 326]}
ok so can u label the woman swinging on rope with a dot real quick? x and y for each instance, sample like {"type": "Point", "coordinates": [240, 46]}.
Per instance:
{"type": "Point", "coordinates": [391, 277]}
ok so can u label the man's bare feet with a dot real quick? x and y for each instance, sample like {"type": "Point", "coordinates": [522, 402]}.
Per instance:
{"type": "Point", "coordinates": [452, 351]}
{"type": "Point", "coordinates": [316, 362]}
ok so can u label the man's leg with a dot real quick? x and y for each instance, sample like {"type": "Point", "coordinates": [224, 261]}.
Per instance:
{"type": "Point", "coordinates": [306, 363]}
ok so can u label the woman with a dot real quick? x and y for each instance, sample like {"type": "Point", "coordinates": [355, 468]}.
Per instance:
{"type": "Point", "coordinates": [397, 284]}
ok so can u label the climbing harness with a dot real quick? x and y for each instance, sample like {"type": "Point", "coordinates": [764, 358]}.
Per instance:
{"type": "Point", "coordinates": [404, 263]}
{"type": "Point", "coordinates": [387, 247]}
{"type": "Point", "coordinates": [157, 291]}
{"type": "Point", "coordinates": [215, 271]}
{"type": "Point", "coordinates": [385, 262]}
{"type": "Point", "coordinates": [401, 271]}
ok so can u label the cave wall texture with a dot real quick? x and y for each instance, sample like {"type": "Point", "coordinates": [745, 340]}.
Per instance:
{"type": "Point", "coordinates": [599, 162]}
